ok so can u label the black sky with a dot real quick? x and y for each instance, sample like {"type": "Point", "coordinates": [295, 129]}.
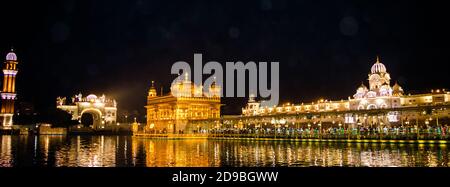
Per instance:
{"type": "Point", "coordinates": [325, 48]}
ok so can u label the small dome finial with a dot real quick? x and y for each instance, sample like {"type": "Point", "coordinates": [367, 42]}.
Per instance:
{"type": "Point", "coordinates": [152, 90]}
{"type": "Point", "coordinates": [251, 98]}
{"type": "Point", "coordinates": [378, 67]}
{"type": "Point", "coordinates": [11, 56]}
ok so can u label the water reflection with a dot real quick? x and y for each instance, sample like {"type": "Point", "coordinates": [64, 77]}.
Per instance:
{"type": "Point", "coordinates": [166, 153]}
{"type": "Point", "coordinates": [123, 151]}
{"type": "Point", "coordinates": [5, 154]}
{"type": "Point", "coordinates": [88, 151]}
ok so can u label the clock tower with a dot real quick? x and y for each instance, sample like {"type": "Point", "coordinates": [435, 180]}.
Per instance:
{"type": "Point", "coordinates": [8, 93]}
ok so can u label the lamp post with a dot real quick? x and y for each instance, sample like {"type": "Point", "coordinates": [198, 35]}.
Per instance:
{"type": "Point", "coordinates": [151, 128]}
{"type": "Point", "coordinates": [320, 130]}
{"type": "Point", "coordinates": [257, 130]}
{"type": "Point", "coordinates": [274, 126]}
{"type": "Point", "coordinates": [417, 127]}
{"type": "Point", "coordinates": [309, 130]}
{"type": "Point", "coordinates": [281, 122]}
{"type": "Point", "coordinates": [277, 126]}
{"type": "Point", "coordinates": [407, 127]}
{"type": "Point", "coordinates": [437, 120]}
{"type": "Point", "coordinates": [427, 123]}
{"type": "Point", "coordinates": [263, 127]}
{"type": "Point", "coordinates": [286, 129]}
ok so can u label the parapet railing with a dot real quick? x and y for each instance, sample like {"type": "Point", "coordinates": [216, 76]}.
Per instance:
{"type": "Point", "coordinates": [352, 134]}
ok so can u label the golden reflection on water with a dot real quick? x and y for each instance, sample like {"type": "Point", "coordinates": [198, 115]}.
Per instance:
{"type": "Point", "coordinates": [166, 153]}
{"type": "Point", "coordinates": [124, 151]}
{"type": "Point", "coordinates": [5, 151]}
{"type": "Point", "coordinates": [162, 153]}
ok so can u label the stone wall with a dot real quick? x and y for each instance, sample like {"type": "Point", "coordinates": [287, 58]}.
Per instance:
{"type": "Point", "coordinates": [50, 130]}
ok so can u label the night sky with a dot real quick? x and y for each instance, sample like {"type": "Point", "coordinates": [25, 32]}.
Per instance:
{"type": "Point", "coordinates": [325, 48]}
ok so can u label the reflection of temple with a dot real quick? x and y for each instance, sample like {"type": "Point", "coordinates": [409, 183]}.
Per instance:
{"type": "Point", "coordinates": [102, 109]}
{"type": "Point", "coordinates": [8, 92]}
{"type": "Point", "coordinates": [92, 151]}
{"type": "Point", "coordinates": [362, 108]}
{"type": "Point", "coordinates": [182, 110]}
{"type": "Point", "coordinates": [188, 153]}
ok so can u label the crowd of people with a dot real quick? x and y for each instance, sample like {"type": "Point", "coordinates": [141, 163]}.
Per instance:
{"type": "Point", "coordinates": [384, 132]}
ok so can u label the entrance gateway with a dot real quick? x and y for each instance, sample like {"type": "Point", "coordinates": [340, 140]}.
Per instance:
{"type": "Point", "coordinates": [103, 110]}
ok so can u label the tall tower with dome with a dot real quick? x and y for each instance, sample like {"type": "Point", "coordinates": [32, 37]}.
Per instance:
{"type": "Point", "coordinates": [379, 76]}
{"type": "Point", "coordinates": [8, 93]}
{"type": "Point", "coordinates": [379, 94]}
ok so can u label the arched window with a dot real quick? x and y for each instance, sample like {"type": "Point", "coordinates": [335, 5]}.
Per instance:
{"type": "Point", "coordinates": [371, 106]}
{"type": "Point", "coordinates": [360, 107]}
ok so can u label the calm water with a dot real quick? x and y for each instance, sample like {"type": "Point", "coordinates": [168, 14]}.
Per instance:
{"type": "Point", "coordinates": [122, 151]}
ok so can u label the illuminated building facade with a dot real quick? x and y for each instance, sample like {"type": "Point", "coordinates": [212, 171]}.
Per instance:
{"type": "Point", "coordinates": [102, 109]}
{"type": "Point", "coordinates": [8, 93]}
{"type": "Point", "coordinates": [380, 94]}
{"type": "Point", "coordinates": [181, 111]}
{"type": "Point", "coordinates": [365, 105]}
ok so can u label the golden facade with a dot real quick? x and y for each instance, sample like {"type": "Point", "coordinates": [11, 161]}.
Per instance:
{"type": "Point", "coordinates": [8, 93]}
{"type": "Point", "coordinates": [182, 111]}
